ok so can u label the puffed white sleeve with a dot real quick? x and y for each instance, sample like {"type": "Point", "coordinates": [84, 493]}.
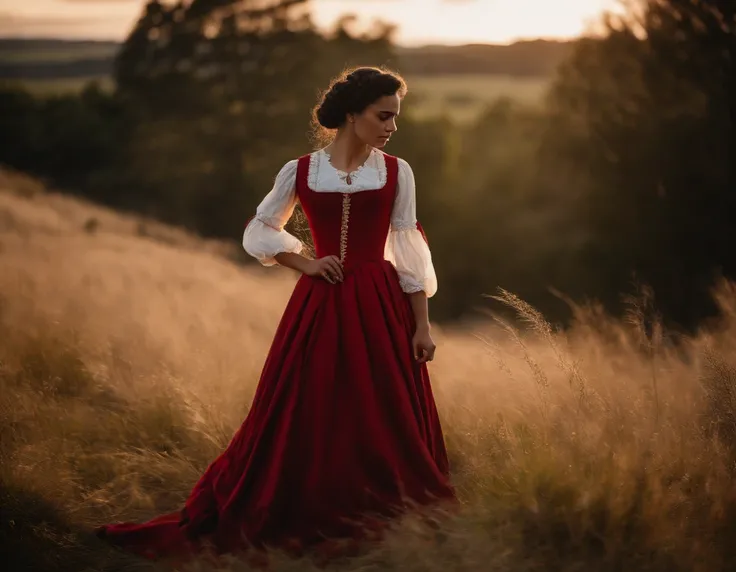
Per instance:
{"type": "Point", "coordinates": [406, 246]}
{"type": "Point", "coordinates": [264, 236]}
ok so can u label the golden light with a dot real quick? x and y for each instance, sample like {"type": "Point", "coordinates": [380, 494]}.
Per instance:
{"type": "Point", "coordinates": [472, 21]}
{"type": "Point", "coordinates": [419, 21]}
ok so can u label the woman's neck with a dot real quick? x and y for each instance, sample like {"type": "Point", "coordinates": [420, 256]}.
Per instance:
{"type": "Point", "coordinates": [347, 152]}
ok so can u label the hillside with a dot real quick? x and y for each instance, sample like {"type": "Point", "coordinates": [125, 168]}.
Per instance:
{"type": "Point", "coordinates": [129, 355]}
{"type": "Point", "coordinates": [51, 59]}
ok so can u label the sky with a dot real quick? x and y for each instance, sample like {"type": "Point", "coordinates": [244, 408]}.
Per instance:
{"type": "Point", "coordinates": [419, 21]}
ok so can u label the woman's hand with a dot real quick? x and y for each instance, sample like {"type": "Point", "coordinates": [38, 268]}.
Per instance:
{"type": "Point", "coordinates": [329, 268]}
{"type": "Point", "coordinates": [423, 345]}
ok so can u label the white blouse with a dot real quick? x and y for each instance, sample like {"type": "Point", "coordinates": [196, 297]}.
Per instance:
{"type": "Point", "coordinates": [264, 237]}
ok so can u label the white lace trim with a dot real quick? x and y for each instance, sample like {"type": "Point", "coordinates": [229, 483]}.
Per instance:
{"type": "Point", "coordinates": [313, 176]}
{"type": "Point", "coordinates": [409, 253]}
{"type": "Point", "coordinates": [323, 177]}
{"type": "Point", "coordinates": [382, 171]}
{"type": "Point", "coordinates": [345, 174]}
{"type": "Point", "coordinates": [400, 225]}
{"type": "Point", "coordinates": [409, 285]}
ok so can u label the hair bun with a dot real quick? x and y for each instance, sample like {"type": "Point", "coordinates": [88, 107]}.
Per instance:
{"type": "Point", "coordinates": [331, 112]}
{"type": "Point", "coordinates": [353, 92]}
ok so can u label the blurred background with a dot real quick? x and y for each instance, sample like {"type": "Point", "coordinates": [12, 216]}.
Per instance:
{"type": "Point", "coordinates": [579, 155]}
{"type": "Point", "coordinates": [575, 149]}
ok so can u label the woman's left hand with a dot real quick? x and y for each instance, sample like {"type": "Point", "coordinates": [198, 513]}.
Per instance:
{"type": "Point", "coordinates": [423, 345]}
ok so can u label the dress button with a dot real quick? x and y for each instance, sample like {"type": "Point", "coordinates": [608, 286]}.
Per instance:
{"type": "Point", "coordinates": [344, 226]}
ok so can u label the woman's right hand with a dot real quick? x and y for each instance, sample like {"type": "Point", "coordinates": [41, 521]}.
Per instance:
{"type": "Point", "coordinates": [329, 268]}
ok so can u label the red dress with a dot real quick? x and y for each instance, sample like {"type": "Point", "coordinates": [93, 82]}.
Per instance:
{"type": "Point", "coordinates": [343, 423]}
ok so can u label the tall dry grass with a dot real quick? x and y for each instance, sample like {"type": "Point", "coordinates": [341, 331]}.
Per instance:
{"type": "Point", "coordinates": [127, 361]}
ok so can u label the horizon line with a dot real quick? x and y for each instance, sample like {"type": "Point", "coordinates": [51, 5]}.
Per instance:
{"type": "Point", "coordinates": [519, 40]}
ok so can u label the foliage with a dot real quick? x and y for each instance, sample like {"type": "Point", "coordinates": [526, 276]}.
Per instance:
{"type": "Point", "coordinates": [221, 90]}
{"type": "Point", "coordinates": [649, 123]}
{"type": "Point", "coordinates": [70, 138]}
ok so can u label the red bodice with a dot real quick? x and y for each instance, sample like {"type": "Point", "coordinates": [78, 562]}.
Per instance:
{"type": "Point", "coordinates": [352, 226]}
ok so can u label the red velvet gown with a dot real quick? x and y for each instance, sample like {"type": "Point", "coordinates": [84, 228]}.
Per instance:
{"type": "Point", "coordinates": [343, 423]}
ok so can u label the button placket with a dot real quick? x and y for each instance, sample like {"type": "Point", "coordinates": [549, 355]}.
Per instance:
{"type": "Point", "coordinates": [344, 226]}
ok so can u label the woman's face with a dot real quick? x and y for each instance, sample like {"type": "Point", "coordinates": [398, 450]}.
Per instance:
{"type": "Point", "coordinates": [375, 125]}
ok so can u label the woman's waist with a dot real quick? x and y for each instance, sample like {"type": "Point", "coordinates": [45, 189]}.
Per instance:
{"type": "Point", "coordinates": [352, 255]}
{"type": "Point", "coordinates": [354, 261]}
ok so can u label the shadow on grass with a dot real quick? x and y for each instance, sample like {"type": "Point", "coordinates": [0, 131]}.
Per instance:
{"type": "Point", "coordinates": [35, 536]}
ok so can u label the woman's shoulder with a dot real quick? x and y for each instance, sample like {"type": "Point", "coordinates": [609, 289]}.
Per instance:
{"type": "Point", "coordinates": [402, 163]}
{"type": "Point", "coordinates": [304, 164]}
{"type": "Point", "coordinates": [404, 173]}
{"type": "Point", "coordinates": [287, 173]}
{"type": "Point", "coordinates": [293, 163]}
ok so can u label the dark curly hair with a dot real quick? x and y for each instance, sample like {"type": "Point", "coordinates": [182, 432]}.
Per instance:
{"type": "Point", "coordinates": [351, 92]}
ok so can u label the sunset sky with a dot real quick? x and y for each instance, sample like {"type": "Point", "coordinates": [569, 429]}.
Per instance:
{"type": "Point", "coordinates": [419, 21]}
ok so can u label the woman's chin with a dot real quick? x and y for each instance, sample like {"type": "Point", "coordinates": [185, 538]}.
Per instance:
{"type": "Point", "coordinates": [381, 143]}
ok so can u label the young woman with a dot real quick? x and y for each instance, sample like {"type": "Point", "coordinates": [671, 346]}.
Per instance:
{"type": "Point", "coordinates": [343, 426]}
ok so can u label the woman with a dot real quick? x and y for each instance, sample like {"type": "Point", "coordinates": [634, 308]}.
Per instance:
{"type": "Point", "coordinates": [343, 424]}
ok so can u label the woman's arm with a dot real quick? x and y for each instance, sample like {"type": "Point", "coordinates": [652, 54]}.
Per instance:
{"type": "Point", "coordinates": [292, 260]}
{"type": "Point", "coordinates": [264, 235]}
{"type": "Point", "coordinates": [422, 343]}
{"type": "Point", "coordinates": [328, 267]}
{"type": "Point", "coordinates": [408, 250]}
{"type": "Point", "coordinates": [421, 310]}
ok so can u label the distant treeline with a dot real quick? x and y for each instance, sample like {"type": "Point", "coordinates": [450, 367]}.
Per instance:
{"type": "Point", "coordinates": [528, 58]}
{"type": "Point", "coordinates": [51, 59]}
{"type": "Point", "coordinates": [46, 45]}
{"type": "Point", "coordinates": [83, 68]}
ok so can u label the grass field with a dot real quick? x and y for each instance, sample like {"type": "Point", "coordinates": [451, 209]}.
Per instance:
{"type": "Point", "coordinates": [129, 353]}
{"type": "Point", "coordinates": [51, 87]}
{"type": "Point", "coordinates": [463, 97]}
{"type": "Point", "coordinates": [33, 54]}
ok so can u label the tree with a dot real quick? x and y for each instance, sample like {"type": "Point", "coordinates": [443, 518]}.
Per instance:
{"type": "Point", "coordinates": [223, 90]}
{"type": "Point", "coordinates": [646, 116]}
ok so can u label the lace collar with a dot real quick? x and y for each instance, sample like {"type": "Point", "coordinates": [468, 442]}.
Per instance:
{"type": "Point", "coordinates": [324, 177]}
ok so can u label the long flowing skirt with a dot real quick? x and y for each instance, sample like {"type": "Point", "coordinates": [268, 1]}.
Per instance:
{"type": "Point", "coordinates": [343, 425]}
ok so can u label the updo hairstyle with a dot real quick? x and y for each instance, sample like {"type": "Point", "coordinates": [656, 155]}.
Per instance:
{"type": "Point", "coordinates": [352, 92]}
